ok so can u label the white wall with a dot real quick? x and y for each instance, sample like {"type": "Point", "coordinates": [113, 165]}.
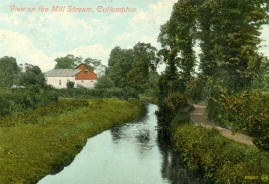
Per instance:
{"type": "Point", "coordinates": [86, 83]}
{"type": "Point", "coordinates": [54, 81]}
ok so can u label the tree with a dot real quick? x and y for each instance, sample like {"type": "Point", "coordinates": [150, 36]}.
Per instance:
{"type": "Point", "coordinates": [71, 62]}
{"type": "Point", "coordinates": [228, 33]}
{"type": "Point", "coordinates": [95, 65]}
{"type": "Point", "coordinates": [8, 71]}
{"type": "Point", "coordinates": [177, 38]}
{"type": "Point", "coordinates": [119, 64]}
{"type": "Point", "coordinates": [32, 77]}
{"type": "Point", "coordinates": [230, 40]}
{"type": "Point", "coordinates": [104, 82]}
{"type": "Point", "coordinates": [144, 66]}
{"type": "Point", "coordinates": [133, 67]}
{"type": "Point", "coordinates": [67, 62]}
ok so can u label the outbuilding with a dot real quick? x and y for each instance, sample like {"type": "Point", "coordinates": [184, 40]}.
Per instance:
{"type": "Point", "coordinates": [81, 76]}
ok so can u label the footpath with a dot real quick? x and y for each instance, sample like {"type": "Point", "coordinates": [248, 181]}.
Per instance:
{"type": "Point", "coordinates": [200, 117]}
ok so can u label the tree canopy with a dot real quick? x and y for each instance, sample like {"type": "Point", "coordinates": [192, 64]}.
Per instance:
{"type": "Point", "coordinates": [132, 67]}
{"type": "Point", "coordinates": [8, 71]}
{"type": "Point", "coordinates": [228, 35]}
{"type": "Point", "coordinates": [71, 62]}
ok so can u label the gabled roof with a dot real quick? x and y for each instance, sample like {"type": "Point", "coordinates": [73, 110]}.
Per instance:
{"type": "Point", "coordinates": [62, 73]}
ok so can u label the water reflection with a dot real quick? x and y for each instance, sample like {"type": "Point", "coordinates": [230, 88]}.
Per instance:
{"type": "Point", "coordinates": [172, 165]}
{"type": "Point", "coordinates": [129, 154]}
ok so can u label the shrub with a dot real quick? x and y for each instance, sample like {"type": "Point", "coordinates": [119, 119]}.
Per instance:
{"type": "Point", "coordinates": [70, 84]}
{"type": "Point", "coordinates": [85, 93]}
{"type": "Point", "coordinates": [246, 112]}
{"type": "Point", "coordinates": [220, 159]}
{"type": "Point", "coordinates": [170, 106]}
{"type": "Point", "coordinates": [20, 100]}
{"type": "Point", "coordinates": [34, 116]}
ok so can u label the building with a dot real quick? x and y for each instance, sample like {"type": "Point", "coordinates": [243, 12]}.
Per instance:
{"type": "Point", "coordinates": [81, 76]}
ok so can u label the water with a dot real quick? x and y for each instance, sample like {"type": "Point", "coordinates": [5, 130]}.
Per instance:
{"type": "Point", "coordinates": [128, 154]}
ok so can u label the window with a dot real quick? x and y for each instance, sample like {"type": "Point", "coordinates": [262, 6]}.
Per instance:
{"type": "Point", "coordinates": [60, 82]}
{"type": "Point", "coordinates": [85, 72]}
{"type": "Point", "coordinates": [82, 81]}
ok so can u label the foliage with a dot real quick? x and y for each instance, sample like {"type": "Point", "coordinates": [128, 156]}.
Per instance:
{"type": "Point", "coordinates": [170, 107]}
{"type": "Point", "coordinates": [19, 100]}
{"type": "Point", "coordinates": [246, 112]}
{"type": "Point", "coordinates": [114, 92]}
{"type": "Point", "coordinates": [177, 39]}
{"type": "Point", "coordinates": [104, 82]}
{"type": "Point", "coordinates": [168, 83]}
{"type": "Point", "coordinates": [67, 62]}
{"type": "Point", "coordinates": [34, 116]}
{"type": "Point", "coordinates": [228, 35]}
{"type": "Point", "coordinates": [135, 68]}
{"type": "Point", "coordinates": [46, 147]}
{"type": "Point", "coordinates": [71, 62]}
{"type": "Point", "coordinates": [70, 84]}
{"type": "Point", "coordinates": [195, 90]}
{"type": "Point", "coordinates": [32, 77]}
{"type": "Point", "coordinates": [220, 159]}
{"type": "Point", "coordinates": [229, 38]}
{"type": "Point", "coordinates": [8, 71]}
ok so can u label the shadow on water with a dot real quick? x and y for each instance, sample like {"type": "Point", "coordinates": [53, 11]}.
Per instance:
{"type": "Point", "coordinates": [173, 167]}
{"type": "Point", "coordinates": [134, 153]}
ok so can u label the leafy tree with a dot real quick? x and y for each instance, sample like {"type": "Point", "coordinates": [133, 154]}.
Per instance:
{"type": "Point", "coordinates": [8, 71]}
{"type": "Point", "coordinates": [104, 82]}
{"type": "Point", "coordinates": [228, 33]}
{"type": "Point", "coordinates": [234, 30]}
{"type": "Point", "coordinates": [32, 77]}
{"type": "Point", "coordinates": [133, 67]}
{"type": "Point", "coordinates": [67, 62]}
{"type": "Point", "coordinates": [71, 62]}
{"type": "Point", "coordinates": [95, 65]}
{"type": "Point", "coordinates": [119, 64]}
{"type": "Point", "coordinates": [144, 66]}
{"type": "Point", "coordinates": [177, 38]}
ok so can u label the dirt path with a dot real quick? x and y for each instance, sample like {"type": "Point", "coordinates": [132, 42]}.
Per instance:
{"type": "Point", "coordinates": [199, 117]}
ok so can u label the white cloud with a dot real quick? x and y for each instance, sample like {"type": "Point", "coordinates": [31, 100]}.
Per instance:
{"type": "Point", "coordinates": [146, 24]}
{"type": "Point", "coordinates": [19, 46]}
{"type": "Point", "coordinates": [157, 14]}
{"type": "Point", "coordinates": [96, 51]}
{"type": "Point", "coordinates": [124, 37]}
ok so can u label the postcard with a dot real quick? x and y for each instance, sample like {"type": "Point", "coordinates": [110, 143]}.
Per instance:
{"type": "Point", "coordinates": [134, 92]}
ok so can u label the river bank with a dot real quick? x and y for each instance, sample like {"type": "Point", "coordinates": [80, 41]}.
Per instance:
{"type": "Point", "coordinates": [132, 153]}
{"type": "Point", "coordinates": [220, 158]}
{"type": "Point", "coordinates": [42, 144]}
{"type": "Point", "coordinates": [223, 160]}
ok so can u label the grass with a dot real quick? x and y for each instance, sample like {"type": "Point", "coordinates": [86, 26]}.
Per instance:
{"type": "Point", "coordinates": [149, 99]}
{"type": "Point", "coordinates": [29, 151]}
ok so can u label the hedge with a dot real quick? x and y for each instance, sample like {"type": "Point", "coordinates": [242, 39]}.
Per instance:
{"type": "Point", "coordinates": [219, 159]}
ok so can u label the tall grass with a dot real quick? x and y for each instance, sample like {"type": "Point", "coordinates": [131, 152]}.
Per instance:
{"type": "Point", "coordinates": [29, 151]}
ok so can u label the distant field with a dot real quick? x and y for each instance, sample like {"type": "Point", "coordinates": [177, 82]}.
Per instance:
{"type": "Point", "coordinates": [43, 141]}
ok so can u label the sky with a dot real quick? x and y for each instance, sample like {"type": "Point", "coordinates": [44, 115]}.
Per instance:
{"type": "Point", "coordinates": [37, 37]}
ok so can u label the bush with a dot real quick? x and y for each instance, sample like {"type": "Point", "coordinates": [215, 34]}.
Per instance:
{"type": "Point", "coordinates": [20, 100]}
{"type": "Point", "coordinates": [220, 159]}
{"type": "Point", "coordinates": [70, 84]}
{"type": "Point", "coordinates": [169, 108]}
{"type": "Point", "coordinates": [34, 116]}
{"type": "Point", "coordinates": [246, 112]}
{"type": "Point", "coordinates": [85, 93]}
